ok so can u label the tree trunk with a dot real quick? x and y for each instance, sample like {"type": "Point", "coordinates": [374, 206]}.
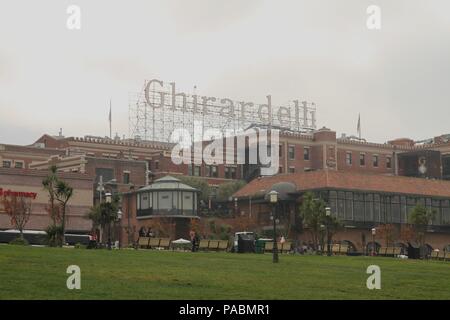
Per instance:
{"type": "Point", "coordinates": [63, 224]}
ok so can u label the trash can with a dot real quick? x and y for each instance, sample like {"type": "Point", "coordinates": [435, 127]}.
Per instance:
{"type": "Point", "coordinates": [245, 244]}
{"type": "Point", "coordinates": [260, 244]}
{"type": "Point", "coordinates": [413, 251]}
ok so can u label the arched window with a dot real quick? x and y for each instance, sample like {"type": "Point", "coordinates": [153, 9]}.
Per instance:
{"type": "Point", "coordinates": [371, 246]}
{"type": "Point", "coordinates": [351, 245]}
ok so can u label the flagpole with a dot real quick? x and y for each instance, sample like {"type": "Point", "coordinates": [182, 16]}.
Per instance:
{"type": "Point", "coordinates": [110, 120]}
{"type": "Point", "coordinates": [359, 126]}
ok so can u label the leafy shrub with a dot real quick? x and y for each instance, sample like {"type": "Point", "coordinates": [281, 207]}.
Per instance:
{"type": "Point", "coordinates": [224, 236]}
{"type": "Point", "coordinates": [80, 246]}
{"type": "Point", "coordinates": [54, 235]}
{"type": "Point", "coordinates": [19, 241]}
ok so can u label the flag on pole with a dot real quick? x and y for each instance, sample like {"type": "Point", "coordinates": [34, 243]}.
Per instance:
{"type": "Point", "coordinates": [358, 128]}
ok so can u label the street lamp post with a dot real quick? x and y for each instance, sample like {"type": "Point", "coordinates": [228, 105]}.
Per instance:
{"type": "Point", "coordinates": [328, 215]}
{"type": "Point", "coordinates": [273, 198]}
{"type": "Point", "coordinates": [128, 214]}
{"type": "Point", "coordinates": [374, 231]}
{"type": "Point", "coordinates": [119, 218]}
{"type": "Point", "coordinates": [108, 199]}
{"type": "Point", "coordinates": [322, 240]}
{"type": "Point", "coordinates": [100, 188]}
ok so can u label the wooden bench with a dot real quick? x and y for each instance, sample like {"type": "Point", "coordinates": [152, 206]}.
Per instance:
{"type": "Point", "coordinates": [203, 245]}
{"type": "Point", "coordinates": [390, 251]}
{"type": "Point", "coordinates": [397, 251]}
{"type": "Point", "coordinates": [382, 251]}
{"type": "Point", "coordinates": [447, 256]}
{"type": "Point", "coordinates": [335, 248]}
{"type": "Point", "coordinates": [434, 254]}
{"type": "Point", "coordinates": [268, 247]}
{"type": "Point", "coordinates": [440, 255]}
{"type": "Point", "coordinates": [223, 245]}
{"type": "Point", "coordinates": [285, 247]}
{"type": "Point", "coordinates": [282, 247]}
{"type": "Point", "coordinates": [216, 245]}
{"type": "Point", "coordinates": [343, 249]}
{"type": "Point", "coordinates": [164, 243]}
{"type": "Point", "coordinates": [154, 242]}
{"type": "Point", "coordinates": [339, 248]}
{"type": "Point", "coordinates": [143, 242]}
{"type": "Point", "coordinates": [213, 245]}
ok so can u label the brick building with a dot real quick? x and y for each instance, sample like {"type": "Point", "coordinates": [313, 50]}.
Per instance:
{"type": "Point", "coordinates": [30, 181]}
{"type": "Point", "coordinates": [361, 201]}
{"type": "Point", "coordinates": [20, 157]}
{"type": "Point", "coordinates": [298, 152]}
{"type": "Point", "coordinates": [156, 154]}
{"type": "Point", "coordinates": [126, 163]}
{"type": "Point", "coordinates": [120, 173]}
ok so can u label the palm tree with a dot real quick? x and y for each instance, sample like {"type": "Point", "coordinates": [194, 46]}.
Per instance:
{"type": "Point", "coordinates": [103, 214]}
{"type": "Point", "coordinates": [63, 194]}
{"type": "Point", "coordinates": [313, 215]}
{"type": "Point", "coordinates": [312, 212]}
{"type": "Point", "coordinates": [49, 184]}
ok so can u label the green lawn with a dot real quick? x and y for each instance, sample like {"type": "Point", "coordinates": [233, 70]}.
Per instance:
{"type": "Point", "coordinates": [40, 273]}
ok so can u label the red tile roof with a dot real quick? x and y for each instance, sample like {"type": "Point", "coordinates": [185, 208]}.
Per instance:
{"type": "Point", "coordinates": [349, 181]}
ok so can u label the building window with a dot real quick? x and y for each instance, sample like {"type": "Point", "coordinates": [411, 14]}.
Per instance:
{"type": "Point", "coordinates": [269, 150]}
{"type": "Point", "coordinates": [291, 169]}
{"type": "Point", "coordinates": [375, 161]}
{"type": "Point", "coordinates": [18, 164]}
{"type": "Point", "coordinates": [107, 174]}
{"type": "Point", "coordinates": [197, 171]}
{"type": "Point", "coordinates": [362, 159]}
{"type": "Point", "coordinates": [6, 164]}
{"type": "Point", "coordinates": [280, 169]}
{"type": "Point", "coordinates": [306, 153]}
{"type": "Point", "coordinates": [156, 165]}
{"type": "Point", "coordinates": [212, 171]}
{"type": "Point", "coordinates": [149, 164]}
{"type": "Point", "coordinates": [291, 152]}
{"type": "Point", "coordinates": [280, 151]}
{"type": "Point", "coordinates": [388, 162]}
{"type": "Point", "coordinates": [230, 172]}
{"type": "Point", "coordinates": [348, 158]}
{"type": "Point", "coordinates": [126, 177]}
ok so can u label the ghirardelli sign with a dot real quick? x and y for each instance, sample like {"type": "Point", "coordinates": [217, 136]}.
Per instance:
{"type": "Point", "coordinates": [160, 108]}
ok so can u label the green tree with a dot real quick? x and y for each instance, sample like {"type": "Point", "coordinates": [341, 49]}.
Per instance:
{"type": "Point", "coordinates": [420, 217]}
{"type": "Point", "coordinates": [312, 212]}
{"type": "Point", "coordinates": [199, 184]}
{"type": "Point", "coordinates": [314, 218]}
{"type": "Point", "coordinates": [333, 226]}
{"type": "Point", "coordinates": [63, 194]}
{"type": "Point", "coordinates": [226, 190]}
{"type": "Point", "coordinates": [19, 211]}
{"type": "Point", "coordinates": [49, 183]}
{"type": "Point", "coordinates": [103, 214]}
{"type": "Point", "coordinates": [59, 192]}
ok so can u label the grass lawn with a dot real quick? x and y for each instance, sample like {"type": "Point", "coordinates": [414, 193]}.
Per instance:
{"type": "Point", "coordinates": [40, 273]}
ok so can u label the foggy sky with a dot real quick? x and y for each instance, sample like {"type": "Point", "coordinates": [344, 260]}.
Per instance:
{"type": "Point", "coordinates": [397, 78]}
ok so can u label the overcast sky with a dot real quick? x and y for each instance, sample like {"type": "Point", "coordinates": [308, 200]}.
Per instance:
{"type": "Point", "coordinates": [398, 77]}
